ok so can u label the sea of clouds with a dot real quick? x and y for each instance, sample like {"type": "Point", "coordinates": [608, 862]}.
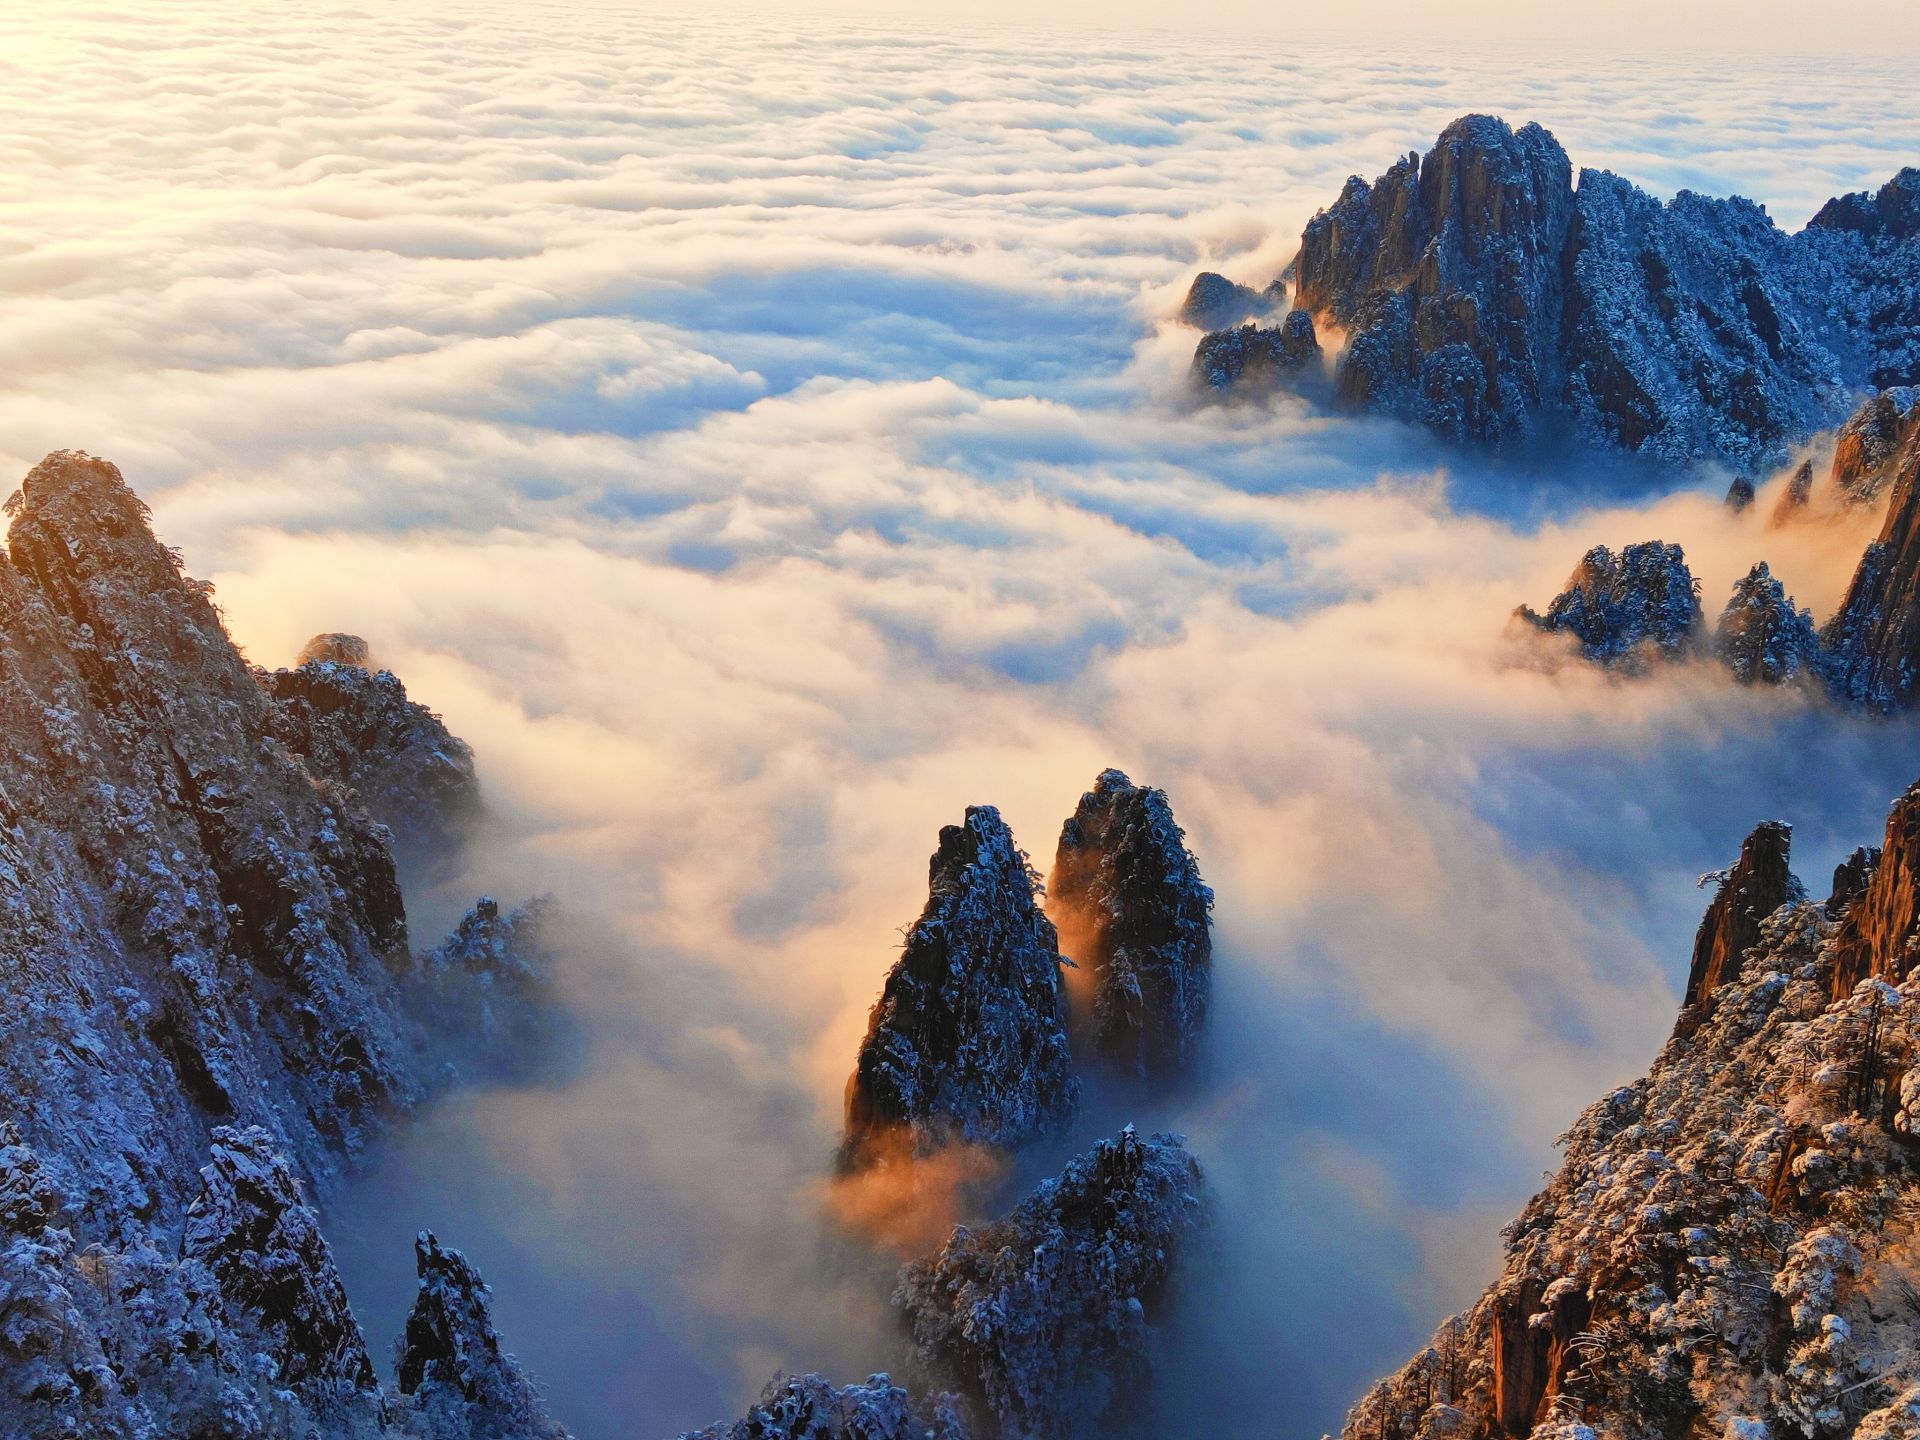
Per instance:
{"type": "Point", "coordinates": [762, 438]}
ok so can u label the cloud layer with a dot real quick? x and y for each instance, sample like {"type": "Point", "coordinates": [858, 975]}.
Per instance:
{"type": "Point", "coordinates": [764, 438]}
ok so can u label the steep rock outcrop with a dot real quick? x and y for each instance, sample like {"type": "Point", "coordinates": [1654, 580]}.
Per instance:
{"type": "Point", "coordinates": [810, 1407]}
{"type": "Point", "coordinates": [1255, 356]}
{"type": "Point", "coordinates": [1758, 884]}
{"type": "Point", "coordinates": [1763, 637]}
{"type": "Point", "coordinates": [1446, 273]}
{"type": "Point", "coordinates": [1132, 911]}
{"type": "Point", "coordinates": [1043, 1318]}
{"type": "Point", "coordinates": [1795, 499]}
{"type": "Point", "coordinates": [1879, 927]}
{"type": "Point", "coordinates": [464, 1385]}
{"type": "Point", "coordinates": [250, 1227]}
{"type": "Point", "coordinates": [1628, 608]}
{"type": "Point", "coordinates": [358, 728]}
{"type": "Point", "coordinates": [1873, 640]}
{"type": "Point", "coordinates": [1214, 302]}
{"type": "Point", "coordinates": [1487, 296]}
{"type": "Point", "coordinates": [198, 933]}
{"type": "Point", "coordinates": [968, 1041]}
{"type": "Point", "coordinates": [1723, 1248]}
{"type": "Point", "coordinates": [1868, 447]}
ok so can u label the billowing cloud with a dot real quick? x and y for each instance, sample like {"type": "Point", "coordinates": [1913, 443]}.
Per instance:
{"type": "Point", "coordinates": [763, 439]}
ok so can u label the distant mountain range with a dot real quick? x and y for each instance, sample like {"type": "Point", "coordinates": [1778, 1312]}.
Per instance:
{"type": "Point", "coordinates": [1484, 292]}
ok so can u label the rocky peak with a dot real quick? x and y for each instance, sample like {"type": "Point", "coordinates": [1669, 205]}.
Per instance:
{"type": "Point", "coordinates": [1850, 879]}
{"type": "Point", "coordinates": [251, 1228]}
{"type": "Point", "coordinates": [1253, 357]}
{"type": "Point", "coordinates": [1043, 1318]}
{"type": "Point", "coordinates": [1879, 925]}
{"type": "Point", "coordinates": [335, 647]}
{"type": "Point", "coordinates": [451, 1362]}
{"type": "Point", "coordinates": [1758, 884]}
{"type": "Point", "coordinates": [357, 728]}
{"type": "Point", "coordinates": [1489, 298]}
{"type": "Point", "coordinates": [1873, 640]}
{"type": "Point", "coordinates": [1214, 302]}
{"type": "Point", "coordinates": [1128, 898]}
{"type": "Point", "coordinates": [1762, 636]}
{"type": "Point", "coordinates": [1795, 499]}
{"type": "Point", "coordinates": [967, 1040]}
{"type": "Point", "coordinates": [1627, 608]}
{"type": "Point", "coordinates": [1892, 212]}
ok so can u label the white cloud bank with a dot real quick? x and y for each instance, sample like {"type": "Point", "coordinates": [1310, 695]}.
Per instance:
{"type": "Point", "coordinates": [762, 439]}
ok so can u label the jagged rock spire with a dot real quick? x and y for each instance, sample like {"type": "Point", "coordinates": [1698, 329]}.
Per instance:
{"type": "Point", "coordinates": [1624, 609]}
{"type": "Point", "coordinates": [1759, 883]}
{"type": "Point", "coordinates": [1216, 303]}
{"type": "Point", "coordinates": [451, 1361]}
{"type": "Point", "coordinates": [1132, 908]}
{"type": "Point", "coordinates": [1867, 448]}
{"type": "Point", "coordinates": [968, 1040]}
{"type": "Point", "coordinates": [1044, 1316]}
{"type": "Point", "coordinates": [250, 1227]}
{"type": "Point", "coordinates": [1762, 636]}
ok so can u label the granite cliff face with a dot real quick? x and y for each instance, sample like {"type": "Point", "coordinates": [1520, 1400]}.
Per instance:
{"type": "Point", "coordinates": [1133, 913]}
{"type": "Point", "coordinates": [1489, 295]}
{"type": "Point", "coordinates": [1042, 1319]}
{"type": "Point", "coordinates": [1625, 610]}
{"type": "Point", "coordinates": [1873, 640]}
{"type": "Point", "coordinates": [1728, 1246]}
{"type": "Point", "coordinates": [968, 1040]}
{"type": "Point", "coordinates": [203, 1004]}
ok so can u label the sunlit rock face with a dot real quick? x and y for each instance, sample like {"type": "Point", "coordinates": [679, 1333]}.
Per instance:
{"type": "Point", "coordinates": [1867, 449]}
{"type": "Point", "coordinates": [1494, 300]}
{"type": "Point", "coordinates": [1132, 911]}
{"type": "Point", "coordinates": [1718, 1251]}
{"type": "Point", "coordinates": [1758, 884]}
{"type": "Point", "coordinates": [1762, 636]}
{"type": "Point", "coordinates": [451, 1362]}
{"type": "Point", "coordinates": [968, 1040]}
{"type": "Point", "coordinates": [810, 1407]}
{"type": "Point", "coordinates": [1044, 1318]}
{"type": "Point", "coordinates": [1873, 639]}
{"type": "Point", "coordinates": [1627, 608]}
{"type": "Point", "coordinates": [358, 728]}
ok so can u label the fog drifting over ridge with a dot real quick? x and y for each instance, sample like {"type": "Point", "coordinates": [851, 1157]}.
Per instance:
{"type": "Point", "coordinates": [762, 439]}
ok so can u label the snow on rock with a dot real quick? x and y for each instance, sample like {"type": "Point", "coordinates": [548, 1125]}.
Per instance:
{"type": "Point", "coordinates": [1490, 297]}
{"type": "Point", "coordinates": [357, 728]}
{"type": "Point", "coordinates": [1729, 1244]}
{"type": "Point", "coordinates": [810, 1407]}
{"type": "Point", "coordinates": [1253, 357]}
{"type": "Point", "coordinates": [1626, 609]}
{"type": "Point", "coordinates": [1132, 908]}
{"type": "Point", "coordinates": [464, 1386]}
{"type": "Point", "coordinates": [968, 1040]}
{"type": "Point", "coordinates": [251, 1229]}
{"type": "Point", "coordinates": [1044, 1318]}
{"type": "Point", "coordinates": [1763, 637]}
{"type": "Point", "coordinates": [1868, 447]}
{"type": "Point", "coordinates": [204, 986]}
